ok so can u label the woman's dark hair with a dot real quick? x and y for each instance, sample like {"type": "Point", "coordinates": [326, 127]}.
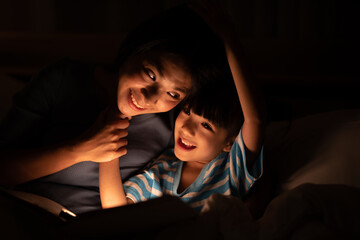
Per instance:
{"type": "Point", "coordinates": [184, 35]}
{"type": "Point", "coordinates": [175, 30]}
{"type": "Point", "coordinates": [180, 33]}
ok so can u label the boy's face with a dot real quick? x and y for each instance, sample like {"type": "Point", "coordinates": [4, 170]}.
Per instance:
{"type": "Point", "coordinates": [196, 139]}
{"type": "Point", "coordinates": [143, 88]}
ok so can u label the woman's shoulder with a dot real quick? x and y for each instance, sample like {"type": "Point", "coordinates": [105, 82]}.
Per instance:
{"type": "Point", "coordinates": [64, 68]}
{"type": "Point", "coordinates": [61, 76]}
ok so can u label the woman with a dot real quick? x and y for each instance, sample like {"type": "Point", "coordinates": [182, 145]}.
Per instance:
{"type": "Point", "coordinates": [50, 141]}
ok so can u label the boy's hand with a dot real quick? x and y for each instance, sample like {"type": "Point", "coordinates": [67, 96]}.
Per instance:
{"type": "Point", "coordinates": [105, 140]}
{"type": "Point", "coordinates": [215, 16]}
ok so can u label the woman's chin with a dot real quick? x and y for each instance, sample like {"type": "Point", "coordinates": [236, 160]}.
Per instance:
{"type": "Point", "coordinates": [131, 113]}
{"type": "Point", "coordinates": [125, 111]}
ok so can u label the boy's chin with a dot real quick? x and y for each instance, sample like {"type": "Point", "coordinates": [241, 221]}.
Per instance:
{"type": "Point", "coordinates": [179, 155]}
{"type": "Point", "coordinates": [176, 154]}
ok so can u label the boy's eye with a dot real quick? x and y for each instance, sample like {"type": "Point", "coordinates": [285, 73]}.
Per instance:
{"type": "Point", "coordinates": [186, 111]}
{"type": "Point", "coordinates": [174, 95]}
{"type": "Point", "coordinates": [206, 125]}
{"type": "Point", "coordinates": [150, 73]}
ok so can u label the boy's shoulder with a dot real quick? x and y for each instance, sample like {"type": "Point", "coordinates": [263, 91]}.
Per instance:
{"type": "Point", "coordinates": [168, 156]}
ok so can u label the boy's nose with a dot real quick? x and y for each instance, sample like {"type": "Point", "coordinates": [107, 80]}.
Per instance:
{"type": "Point", "coordinates": [189, 127]}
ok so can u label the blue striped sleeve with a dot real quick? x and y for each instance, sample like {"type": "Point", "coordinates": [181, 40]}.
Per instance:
{"type": "Point", "coordinates": [139, 188]}
{"type": "Point", "coordinates": [241, 179]}
{"type": "Point", "coordinates": [145, 185]}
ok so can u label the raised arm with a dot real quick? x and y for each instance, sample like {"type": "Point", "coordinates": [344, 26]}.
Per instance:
{"type": "Point", "coordinates": [250, 98]}
{"type": "Point", "coordinates": [249, 93]}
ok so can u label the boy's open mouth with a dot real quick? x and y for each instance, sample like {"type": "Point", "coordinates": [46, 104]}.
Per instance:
{"type": "Point", "coordinates": [184, 145]}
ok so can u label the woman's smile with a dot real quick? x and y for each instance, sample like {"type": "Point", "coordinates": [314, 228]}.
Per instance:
{"type": "Point", "coordinates": [133, 103]}
{"type": "Point", "coordinates": [151, 91]}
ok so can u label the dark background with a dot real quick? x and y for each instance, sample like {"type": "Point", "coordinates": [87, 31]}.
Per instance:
{"type": "Point", "coordinates": [304, 52]}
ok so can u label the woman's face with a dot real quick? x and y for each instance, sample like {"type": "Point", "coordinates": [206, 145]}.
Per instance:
{"type": "Point", "coordinates": [146, 87]}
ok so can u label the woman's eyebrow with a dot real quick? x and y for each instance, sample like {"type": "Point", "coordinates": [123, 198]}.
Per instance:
{"type": "Point", "coordinates": [183, 90]}
{"type": "Point", "coordinates": [159, 68]}
{"type": "Point", "coordinates": [157, 65]}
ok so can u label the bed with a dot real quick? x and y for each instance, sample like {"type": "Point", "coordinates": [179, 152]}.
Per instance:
{"type": "Point", "coordinates": [316, 162]}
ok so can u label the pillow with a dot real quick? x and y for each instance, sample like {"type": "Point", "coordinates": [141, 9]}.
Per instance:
{"type": "Point", "coordinates": [321, 148]}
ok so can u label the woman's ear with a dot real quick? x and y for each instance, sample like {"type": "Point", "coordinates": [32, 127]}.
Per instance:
{"type": "Point", "coordinates": [228, 145]}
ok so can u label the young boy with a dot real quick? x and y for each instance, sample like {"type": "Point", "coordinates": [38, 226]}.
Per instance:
{"type": "Point", "coordinates": [211, 153]}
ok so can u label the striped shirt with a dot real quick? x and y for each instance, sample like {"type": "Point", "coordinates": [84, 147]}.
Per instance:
{"type": "Point", "coordinates": [226, 174]}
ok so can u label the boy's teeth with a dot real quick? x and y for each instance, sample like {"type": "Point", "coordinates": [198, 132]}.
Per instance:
{"type": "Point", "coordinates": [187, 144]}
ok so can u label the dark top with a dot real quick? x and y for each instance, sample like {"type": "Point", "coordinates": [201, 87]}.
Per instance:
{"type": "Point", "coordinates": [60, 103]}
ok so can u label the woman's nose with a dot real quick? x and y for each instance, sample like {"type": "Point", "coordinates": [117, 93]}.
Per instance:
{"type": "Point", "coordinates": [151, 93]}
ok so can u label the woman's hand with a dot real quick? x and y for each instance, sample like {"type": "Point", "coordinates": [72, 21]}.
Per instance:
{"type": "Point", "coordinates": [105, 140]}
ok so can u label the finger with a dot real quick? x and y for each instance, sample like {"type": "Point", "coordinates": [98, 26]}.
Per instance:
{"type": "Point", "coordinates": [119, 133]}
{"type": "Point", "coordinates": [120, 124]}
{"type": "Point", "coordinates": [116, 154]}
{"type": "Point", "coordinates": [121, 143]}
{"type": "Point", "coordinates": [115, 145]}
{"type": "Point", "coordinates": [123, 116]}
{"type": "Point", "coordinates": [121, 152]}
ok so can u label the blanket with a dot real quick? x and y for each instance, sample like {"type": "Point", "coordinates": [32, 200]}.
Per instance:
{"type": "Point", "coordinates": [309, 211]}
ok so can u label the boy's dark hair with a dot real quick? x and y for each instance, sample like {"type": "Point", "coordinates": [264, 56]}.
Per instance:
{"type": "Point", "coordinates": [218, 101]}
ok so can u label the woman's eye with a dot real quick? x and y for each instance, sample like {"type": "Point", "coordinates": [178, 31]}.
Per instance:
{"type": "Point", "coordinates": [174, 95]}
{"type": "Point", "coordinates": [206, 125]}
{"type": "Point", "coordinates": [150, 73]}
